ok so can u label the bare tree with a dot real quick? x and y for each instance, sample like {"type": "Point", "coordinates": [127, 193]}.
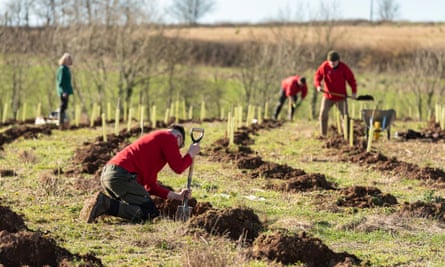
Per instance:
{"type": "Point", "coordinates": [247, 71]}
{"type": "Point", "coordinates": [327, 35]}
{"type": "Point", "coordinates": [15, 58]}
{"type": "Point", "coordinates": [425, 76]}
{"type": "Point", "coordinates": [388, 10]}
{"type": "Point", "coordinates": [19, 12]}
{"type": "Point", "coordinates": [47, 11]}
{"type": "Point", "coordinates": [190, 11]}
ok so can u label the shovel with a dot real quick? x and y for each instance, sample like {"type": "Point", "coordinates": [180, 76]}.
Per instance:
{"type": "Point", "coordinates": [358, 98]}
{"type": "Point", "coordinates": [184, 211]}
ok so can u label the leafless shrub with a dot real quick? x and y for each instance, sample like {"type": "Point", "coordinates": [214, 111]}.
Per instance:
{"type": "Point", "coordinates": [190, 11]}
{"type": "Point", "coordinates": [50, 184]}
{"type": "Point", "coordinates": [388, 10]}
{"type": "Point", "coordinates": [27, 157]}
{"type": "Point", "coordinates": [214, 252]}
{"type": "Point", "coordinates": [425, 73]}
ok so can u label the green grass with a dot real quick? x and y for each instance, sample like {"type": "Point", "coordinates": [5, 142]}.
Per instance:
{"type": "Point", "coordinates": [374, 235]}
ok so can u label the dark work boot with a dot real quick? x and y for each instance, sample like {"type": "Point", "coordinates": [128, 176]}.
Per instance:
{"type": "Point", "coordinates": [95, 207]}
{"type": "Point", "coordinates": [276, 113]}
{"type": "Point", "coordinates": [60, 119]}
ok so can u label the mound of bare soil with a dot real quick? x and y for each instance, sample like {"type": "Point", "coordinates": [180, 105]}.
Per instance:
{"type": "Point", "coordinates": [10, 221]}
{"type": "Point", "coordinates": [219, 150]}
{"type": "Point", "coordinates": [236, 224]}
{"type": "Point", "coordinates": [94, 155]}
{"type": "Point", "coordinates": [432, 132]}
{"type": "Point", "coordinates": [296, 179]}
{"type": "Point", "coordinates": [274, 170]}
{"type": "Point", "coordinates": [364, 197]}
{"type": "Point", "coordinates": [358, 154]}
{"type": "Point", "coordinates": [35, 249]}
{"type": "Point", "coordinates": [25, 131]}
{"type": "Point", "coordinates": [21, 247]}
{"type": "Point", "coordinates": [382, 163]}
{"type": "Point", "coordinates": [249, 162]}
{"type": "Point", "coordinates": [433, 210]}
{"type": "Point", "coordinates": [306, 182]}
{"type": "Point", "coordinates": [168, 207]}
{"type": "Point", "coordinates": [7, 173]}
{"type": "Point", "coordinates": [288, 248]}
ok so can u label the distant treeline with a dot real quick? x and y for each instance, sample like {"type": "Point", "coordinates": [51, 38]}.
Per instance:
{"type": "Point", "coordinates": [158, 65]}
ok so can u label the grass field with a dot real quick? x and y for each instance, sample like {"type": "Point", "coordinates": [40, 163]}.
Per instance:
{"type": "Point", "coordinates": [50, 200]}
{"type": "Point", "coordinates": [51, 203]}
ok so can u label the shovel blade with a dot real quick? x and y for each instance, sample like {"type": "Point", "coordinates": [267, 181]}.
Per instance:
{"type": "Point", "coordinates": [365, 98]}
{"type": "Point", "coordinates": [183, 213]}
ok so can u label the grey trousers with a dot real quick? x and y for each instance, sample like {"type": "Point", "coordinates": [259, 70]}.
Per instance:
{"type": "Point", "coordinates": [134, 201]}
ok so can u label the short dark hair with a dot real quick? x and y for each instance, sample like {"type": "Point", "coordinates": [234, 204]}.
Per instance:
{"type": "Point", "coordinates": [178, 128]}
{"type": "Point", "coordinates": [303, 80]}
{"type": "Point", "coordinates": [333, 56]}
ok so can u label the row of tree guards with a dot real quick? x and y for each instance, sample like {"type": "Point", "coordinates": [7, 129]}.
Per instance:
{"type": "Point", "coordinates": [235, 118]}
{"type": "Point", "coordinates": [177, 110]}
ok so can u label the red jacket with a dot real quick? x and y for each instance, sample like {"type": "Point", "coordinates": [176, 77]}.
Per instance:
{"type": "Point", "coordinates": [291, 87]}
{"type": "Point", "coordinates": [148, 155]}
{"type": "Point", "coordinates": [335, 79]}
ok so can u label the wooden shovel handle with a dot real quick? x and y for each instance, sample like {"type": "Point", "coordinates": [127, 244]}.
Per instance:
{"type": "Point", "coordinates": [335, 94]}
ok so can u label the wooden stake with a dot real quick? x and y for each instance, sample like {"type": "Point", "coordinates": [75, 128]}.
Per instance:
{"type": "Point", "coordinates": [266, 109]}
{"type": "Point", "coordinates": [130, 111]}
{"type": "Point", "coordinates": [77, 113]}
{"type": "Point", "coordinates": [108, 111]}
{"type": "Point", "coordinates": [153, 117]}
{"type": "Point", "coordinates": [93, 115]}
{"type": "Point", "coordinates": [24, 112]}
{"type": "Point", "coordinates": [116, 121]}
{"type": "Point", "coordinates": [190, 115]}
{"type": "Point", "coordinates": [142, 119]}
{"type": "Point", "coordinates": [104, 126]}
{"type": "Point", "coordinates": [5, 111]}
{"type": "Point", "coordinates": [203, 111]}
{"type": "Point", "coordinates": [351, 132]}
{"type": "Point", "coordinates": [337, 117]}
{"type": "Point", "coordinates": [39, 110]}
{"type": "Point", "coordinates": [167, 112]}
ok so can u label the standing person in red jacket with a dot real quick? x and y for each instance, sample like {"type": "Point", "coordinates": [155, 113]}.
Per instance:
{"type": "Point", "coordinates": [290, 87]}
{"type": "Point", "coordinates": [130, 177]}
{"type": "Point", "coordinates": [335, 74]}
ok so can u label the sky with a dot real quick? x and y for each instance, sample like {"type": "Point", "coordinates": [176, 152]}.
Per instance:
{"type": "Point", "coordinates": [255, 11]}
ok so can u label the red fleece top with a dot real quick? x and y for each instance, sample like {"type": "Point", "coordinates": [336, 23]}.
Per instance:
{"type": "Point", "coordinates": [148, 155]}
{"type": "Point", "coordinates": [335, 79]}
{"type": "Point", "coordinates": [291, 87]}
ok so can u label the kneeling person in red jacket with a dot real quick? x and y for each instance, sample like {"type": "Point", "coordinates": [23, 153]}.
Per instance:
{"type": "Point", "coordinates": [290, 87]}
{"type": "Point", "coordinates": [130, 177]}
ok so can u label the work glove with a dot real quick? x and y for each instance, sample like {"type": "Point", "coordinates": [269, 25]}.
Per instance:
{"type": "Point", "coordinates": [186, 194]}
{"type": "Point", "coordinates": [194, 149]}
{"type": "Point", "coordinates": [354, 96]}
{"type": "Point", "coordinates": [296, 105]}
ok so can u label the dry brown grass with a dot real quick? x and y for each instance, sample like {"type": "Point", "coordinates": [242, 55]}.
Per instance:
{"type": "Point", "coordinates": [385, 36]}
